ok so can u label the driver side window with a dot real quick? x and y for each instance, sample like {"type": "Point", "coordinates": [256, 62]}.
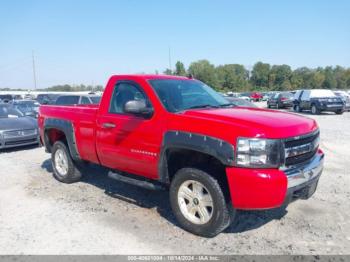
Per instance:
{"type": "Point", "coordinates": [305, 96]}
{"type": "Point", "coordinates": [123, 93]}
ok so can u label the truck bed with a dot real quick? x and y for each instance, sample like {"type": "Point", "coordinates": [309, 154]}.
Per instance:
{"type": "Point", "coordinates": [83, 118]}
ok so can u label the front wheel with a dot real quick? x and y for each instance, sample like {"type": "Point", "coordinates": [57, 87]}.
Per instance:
{"type": "Point", "coordinates": [64, 169]}
{"type": "Point", "coordinates": [297, 108]}
{"type": "Point", "coordinates": [339, 112]}
{"type": "Point", "coordinates": [198, 203]}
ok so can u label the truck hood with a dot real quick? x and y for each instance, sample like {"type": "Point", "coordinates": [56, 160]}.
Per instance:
{"type": "Point", "coordinates": [259, 122]}
{"type": "Point", "coordinates": [19, 123]}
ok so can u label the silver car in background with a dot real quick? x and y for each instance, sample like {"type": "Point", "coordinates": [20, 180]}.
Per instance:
{"type": "Point", "coordinates": [16, 129]}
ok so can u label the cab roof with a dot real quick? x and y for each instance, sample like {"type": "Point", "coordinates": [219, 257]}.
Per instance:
{"type": "Point", "coordinates": [151, 76]}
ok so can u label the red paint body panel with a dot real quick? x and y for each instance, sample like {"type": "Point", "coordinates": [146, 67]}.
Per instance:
{"type": "Point", "coordinates": [124, 146]}
{"type": "Point", "coordinates": [256, 188]}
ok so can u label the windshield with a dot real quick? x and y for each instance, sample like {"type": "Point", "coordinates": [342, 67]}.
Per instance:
{"type": "Point", "coordinates": [67, 100]}
{"type": "Point", "coordinates": [178, 95]}
{"type": "Point", "coordinates": [9, 112]}
{"type": "Point", "coordinates": [287, 95]}
{"type": "Point", "coordinates": [95, 99]}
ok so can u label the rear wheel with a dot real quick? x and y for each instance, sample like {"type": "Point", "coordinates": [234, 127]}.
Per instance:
{"type": "Point", "coordinates": [314, 110]}
{"type": "Point", "coordinates": [198, 203]}
{"type": "Point", "coordinates": [64, 169]}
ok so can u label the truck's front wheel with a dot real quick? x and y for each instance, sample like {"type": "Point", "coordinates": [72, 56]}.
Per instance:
{"type": "Point", "coordinates": [198, 203]}
{"type": "Point", "coordinates": [64, 169]}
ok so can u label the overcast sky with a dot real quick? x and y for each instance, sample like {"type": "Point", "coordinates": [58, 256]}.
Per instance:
{"type": "Point", "coordinates": [86, 41]}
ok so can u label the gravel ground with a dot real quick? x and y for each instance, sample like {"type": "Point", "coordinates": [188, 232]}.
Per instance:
{"type": "Point", "coordinates": [39, 215]}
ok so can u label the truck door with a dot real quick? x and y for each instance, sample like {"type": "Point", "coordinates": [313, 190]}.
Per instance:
{"type": "Point", "coordinates": [305, 100]}
{"type": "Point", "coordinates": [128, 142]}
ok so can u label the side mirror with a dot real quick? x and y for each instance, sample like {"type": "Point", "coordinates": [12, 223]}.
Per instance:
{"type": "Point", "coordinates": [137, 107]}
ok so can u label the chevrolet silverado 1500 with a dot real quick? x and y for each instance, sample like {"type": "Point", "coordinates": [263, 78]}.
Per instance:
{"type": "Point", "coordinates": [178, 134]}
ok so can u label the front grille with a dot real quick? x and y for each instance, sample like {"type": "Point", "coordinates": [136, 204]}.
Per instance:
{"type": "Point", "coordinates": [20, 142]}
{"type": "Point", "coordinates": [301, 149]}
{"type": "Point", "coordinates": [19, 133]}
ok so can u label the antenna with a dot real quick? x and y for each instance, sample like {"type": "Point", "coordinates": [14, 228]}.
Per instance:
{"type": "Point", "coordinates": [34, 73]}
{"type": "Point", "coordinates": [170, 67]}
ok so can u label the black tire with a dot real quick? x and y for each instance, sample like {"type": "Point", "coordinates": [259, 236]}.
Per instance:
{"type": "Point", "coordinates": [339, 112]}
{"type": "Point", "coordinates": [298, 108]}
{"type": "Point", "coordinates": [268, 105]}
{"type": "Point", "coordinates": [223, 213]}
{"type": "Point", "coordinates": [314, 110]}
{"type": "Point", "coordinates": [73, 173]}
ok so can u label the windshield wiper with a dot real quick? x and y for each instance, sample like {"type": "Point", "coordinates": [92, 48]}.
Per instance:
{"type": "Point", "coordinates": [227, 105]}
{"type": "Point", "coordinates": [203, 106]}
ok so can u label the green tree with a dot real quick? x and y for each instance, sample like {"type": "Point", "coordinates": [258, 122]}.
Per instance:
{"type": "Point", "coordinates": [180, 69]}
{"type": "Point", "coordinates": [168, 72]}
{"type": "Point", "coordinates": [340, 77]}
{"type": "Point", "coordinates": [346, 76]}
{"type": "Point", "coordinates": [232, 77]}
{"type": "Point", "coordinates": [260, 75]}
{"type": "Point", "coordinates": [282, 77]}
{"type": "Point", "coordinates": [205, 72]}
{"type": "Point", "coordinates": [330, 81]}
{"type": "Point", "coordinates": [317, 79]}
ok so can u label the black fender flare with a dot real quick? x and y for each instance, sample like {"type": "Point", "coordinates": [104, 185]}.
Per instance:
{"type": "Point", "coordinates": [217, 148]}
{"type": "Point", "coordinates": [67, 128]}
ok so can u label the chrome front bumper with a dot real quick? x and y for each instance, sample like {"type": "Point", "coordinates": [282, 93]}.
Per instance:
{"type": "Point", "coordinates": [302, 174]}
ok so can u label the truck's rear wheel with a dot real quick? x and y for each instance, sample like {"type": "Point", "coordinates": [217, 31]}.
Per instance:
{"type": "Point", "coordinates": [64, 169]}
{"type": "Point", "coordinates": [198, 203]}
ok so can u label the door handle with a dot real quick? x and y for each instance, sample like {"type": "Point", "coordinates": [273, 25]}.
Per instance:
{"type": "Point", "coordinates": [108, 125]}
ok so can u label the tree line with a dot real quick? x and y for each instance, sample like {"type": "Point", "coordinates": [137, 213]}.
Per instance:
{"type": "Point", "coordinates": [237, 78]}
{"type": "Point", "coordinates": [264, 77]}
{"type": "Point", "coordinates": [63, 88]}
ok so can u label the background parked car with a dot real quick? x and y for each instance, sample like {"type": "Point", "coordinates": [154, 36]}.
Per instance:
{"type": "Point", "coordinates": [318, 100]}
{"type": "Point", "coordinates": [239, 101]}
{"type": "Point", "coordinates": [47, 99]}
{"type": "Point", "coordinates": [27, 107]}
{"type": "Point", "coordinates": [16, 129]}
{"type": "Point", "coordinates": [256, 96]}
{"type": "Point", "coordinates": [266, 96]}
{"type": "Point", "coordinates": [345, 97]}
{"type": "Point", "coordinates": [77, 100]}
{"type": "Point", "coordinates": [6, 98]}
{"type": "Point", "coordinates": [280, 100]}
{"type": "Point", "coordinates": [245, 96]}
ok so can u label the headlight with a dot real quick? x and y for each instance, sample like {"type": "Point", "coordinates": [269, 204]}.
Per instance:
{"type": "Point", "coordinates": [256, 152]}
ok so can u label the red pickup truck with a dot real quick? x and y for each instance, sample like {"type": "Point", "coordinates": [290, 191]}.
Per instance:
{"type": "Point", "coordinates": [178, 134]}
